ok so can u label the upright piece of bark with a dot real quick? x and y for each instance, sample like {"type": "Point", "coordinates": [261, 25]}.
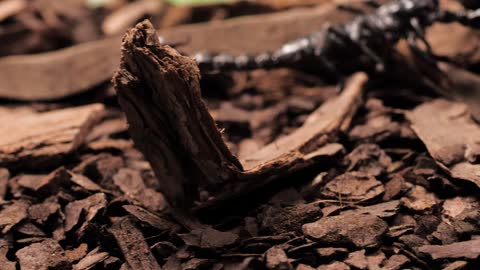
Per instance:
{"type": "Point", "coordinates": [31, 140]}
{"type": "Point", "coordinates": [159, 91]}
{"type": "Point", "coordinates": [451, 137]}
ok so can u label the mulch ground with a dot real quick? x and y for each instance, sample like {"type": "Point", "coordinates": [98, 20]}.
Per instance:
{"type": "Point", "coordinates": [166, 168]}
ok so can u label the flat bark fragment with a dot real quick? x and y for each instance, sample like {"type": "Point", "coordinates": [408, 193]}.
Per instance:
{"type": "Point", "coordinates": [451, 137]}
{"type": "Point", "coordinates": [12, 214]}
{"type": "Point", "coordinates": [31, 140]}
{"type": "Point", "coordinates": [44, 255]}
{"type": "Point", "coordinates": [466, 249]}
{"type": "Point", "coordinates": [133, 245]}
{"type": "Point", "coordinates": [362, 231]}
{"type": "Point", "coordinates": [159, 91]}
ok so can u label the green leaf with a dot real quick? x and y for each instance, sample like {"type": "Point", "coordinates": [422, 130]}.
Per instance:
{"type": "Point", "coordinates": [96, 3]}
{"type": "Point", "coordinates": [197, 2]}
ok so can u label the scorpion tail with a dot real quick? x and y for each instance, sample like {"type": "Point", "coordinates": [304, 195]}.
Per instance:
{"type": "Point", "coordinates": [286, 56]}
{"type": "Point", "coordinates": [226, 62]}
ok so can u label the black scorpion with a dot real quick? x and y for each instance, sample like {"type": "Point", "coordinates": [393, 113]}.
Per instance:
{"type": "Point", "coordinates": [367, 39]}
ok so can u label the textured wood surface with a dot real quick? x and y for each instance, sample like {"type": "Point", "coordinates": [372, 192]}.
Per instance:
{"type": "Point", "coordinates": [159, 91]}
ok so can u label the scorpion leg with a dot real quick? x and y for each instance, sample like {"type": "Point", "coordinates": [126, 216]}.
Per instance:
{"type": "Point", "coordinates": [351, 9]}
{"type": "Point", "coordinates": [318, 41]}
{"type": "Point", "coordinates": [471, 4]}
{"type": "Point", "coordinates": [362, 46]}
{"type": "Point", "coordinates": [470, 18]}
{"type": "Point", "coordinates": [372, 3]}
{"type": "Point", "coordinates": [412, 43]}
{"type": "Point", "coordinates": [420, 34]}
{"type": "Point", "coordinates": [358, 11]}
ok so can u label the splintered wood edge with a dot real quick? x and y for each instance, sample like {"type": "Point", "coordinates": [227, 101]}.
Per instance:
{"type": "Point", "coordinates": [310, 144]}
{"type": "Point", "coordinates": [160, 92]}
{"type": "Point", "coordinates": [333, 115]}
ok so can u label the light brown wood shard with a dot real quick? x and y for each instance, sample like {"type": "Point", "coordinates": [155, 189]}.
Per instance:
{"type": "Point", "coordinates": [29, 140]}
{"type": "Point", "coordinates": [159, 91]}
{"type": "Point", "coordinates": [133, 245]}
{"type": "Point", "coordinates": [451, 137]}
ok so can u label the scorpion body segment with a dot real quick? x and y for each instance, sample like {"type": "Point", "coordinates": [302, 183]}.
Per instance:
{"type": "Point", "coordinates": [367, 39]}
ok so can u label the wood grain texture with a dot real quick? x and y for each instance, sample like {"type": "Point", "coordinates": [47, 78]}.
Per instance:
{"type": "Point", "coordinates": [61, 73]}
{"type": "Point", "coordinates": [132, 243]}
{"type": "Point", "coordinates": [31, 140]}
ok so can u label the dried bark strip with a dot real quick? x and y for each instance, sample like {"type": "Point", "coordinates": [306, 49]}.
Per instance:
{"type": "Point", "coordinates": [60, 73]}
{"type": "Point", "coordinates": [159, 91]}
{"type": "Point", "coordinates": [133, 245]}
{"type": "Point", "coordinates": [457, 152]}
{"type": "Point", "coordinates": [31, 140]}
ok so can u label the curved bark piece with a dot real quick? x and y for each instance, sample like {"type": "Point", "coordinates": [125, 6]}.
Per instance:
{"type": "Point", "coordinates": [160, 93]}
